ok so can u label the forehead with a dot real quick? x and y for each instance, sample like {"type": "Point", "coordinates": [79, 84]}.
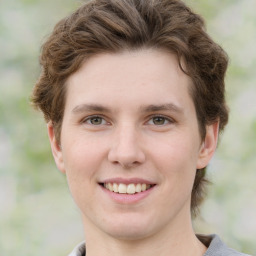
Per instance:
{"type": "Point", "coordinates": [136, 77]}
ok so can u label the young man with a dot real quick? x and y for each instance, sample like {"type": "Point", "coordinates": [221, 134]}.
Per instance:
{"type": "Point", "coordinates": [133, 94]}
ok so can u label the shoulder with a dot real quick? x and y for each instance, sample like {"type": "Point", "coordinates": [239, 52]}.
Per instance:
{"type": "Point", "coordinates": [217, 248]}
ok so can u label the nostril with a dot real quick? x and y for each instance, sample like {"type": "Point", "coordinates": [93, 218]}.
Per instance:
{"type": "Point", "coordinates": [127, 154]}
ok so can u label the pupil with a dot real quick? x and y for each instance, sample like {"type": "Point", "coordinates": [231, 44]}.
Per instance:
{"type": "Point", "coordinates": [96, 120]}
{"type": "Point", "coordinates": [158, 120]}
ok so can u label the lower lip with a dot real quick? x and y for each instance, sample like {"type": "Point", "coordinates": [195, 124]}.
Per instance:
{"type": "Point", "coordinates": [128, 198]}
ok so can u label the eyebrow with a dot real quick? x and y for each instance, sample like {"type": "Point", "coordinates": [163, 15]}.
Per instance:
{"type": "Point", "coordinates": [89, 108]}
{"type": "Point", "coordinates": [163, 107]}
{"type": "Point", "coordinates": [149, 108]}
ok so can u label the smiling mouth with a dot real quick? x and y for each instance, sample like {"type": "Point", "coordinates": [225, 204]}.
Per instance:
{"type": "Point", "coordinates": [126, 188]}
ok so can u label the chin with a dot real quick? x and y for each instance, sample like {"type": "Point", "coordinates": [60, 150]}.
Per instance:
{"type": "Point", "coordinates": [129, 234]}
{"type": "Point", "coordinates": [129, 229]}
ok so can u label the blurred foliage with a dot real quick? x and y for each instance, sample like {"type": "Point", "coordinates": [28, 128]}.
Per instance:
{"type": "Point", "coordinates": [37, 215]}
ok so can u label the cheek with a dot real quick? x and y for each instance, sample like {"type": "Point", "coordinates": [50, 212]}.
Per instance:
{"type": "Point", "coordinates": [81, 164]}
{"type": "Point", "coordinates": [175, 152]}
{"type": "Point", "coordinates": [82, 159]}
{"type": "Point", "coordinates": [176, 162]}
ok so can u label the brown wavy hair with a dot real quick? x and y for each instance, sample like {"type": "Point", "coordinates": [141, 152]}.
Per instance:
{"type": "Point", "coordinates": [116, 25]}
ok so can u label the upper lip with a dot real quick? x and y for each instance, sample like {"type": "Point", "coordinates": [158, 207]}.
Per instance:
{"type": "Point", "coordinates": [126, 181]}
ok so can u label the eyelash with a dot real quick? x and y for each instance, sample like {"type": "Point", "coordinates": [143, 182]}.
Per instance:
{"type": "Point", "coordinates": [166, 119]}
{"type": "Point", "coordinates": [89, 119]}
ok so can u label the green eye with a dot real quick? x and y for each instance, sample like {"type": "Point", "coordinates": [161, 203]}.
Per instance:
{"type": "Point", "coordinates": [95, 120]}
{"type": "Point", "coordinates": [158, 120]}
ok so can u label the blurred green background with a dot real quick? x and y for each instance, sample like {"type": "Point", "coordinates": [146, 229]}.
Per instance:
{"type": "Point", "coordinates": [37, 214]}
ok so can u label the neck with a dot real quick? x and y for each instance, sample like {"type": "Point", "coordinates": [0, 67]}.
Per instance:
{"type": "Point", "coordinates": [174, 241]}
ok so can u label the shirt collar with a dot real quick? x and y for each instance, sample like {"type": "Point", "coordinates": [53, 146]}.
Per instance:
{"type": "Point", "coordinates": [79, 250]}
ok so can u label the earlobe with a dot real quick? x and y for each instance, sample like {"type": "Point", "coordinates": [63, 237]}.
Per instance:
{"type": "Point", "coordinates": [56, 149]}
{"type": "Point", "coordinates": [209, 145]}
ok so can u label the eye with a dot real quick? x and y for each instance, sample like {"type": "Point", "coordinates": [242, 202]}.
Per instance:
{"type": "Point", "coordinates": [95, 120]}
{"type": "Point", "coordinates": [160, 120]}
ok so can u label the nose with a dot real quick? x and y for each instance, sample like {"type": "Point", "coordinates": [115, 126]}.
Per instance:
{"type": "Point", "coordinates": [126, 149]}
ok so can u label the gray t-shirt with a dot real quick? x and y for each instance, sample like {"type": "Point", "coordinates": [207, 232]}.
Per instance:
{"type": "Point", "coordinates": [215, 247]}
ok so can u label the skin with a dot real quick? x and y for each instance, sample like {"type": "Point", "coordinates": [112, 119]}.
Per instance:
{"type": "Point", "coordinates": [130, 115]}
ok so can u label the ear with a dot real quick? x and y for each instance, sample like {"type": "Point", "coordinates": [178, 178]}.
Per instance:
{"type": "Point", "coordinates": [56, 148]}
{"type": "Point", "coordinates": [208, 146]}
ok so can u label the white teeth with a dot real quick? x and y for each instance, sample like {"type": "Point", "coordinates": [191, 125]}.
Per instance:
{"type": "Point", "coordinates": [127, 189]}
{"type": "Point", "coordinates": [131, 189]}
{"type": "Point", "coordinates": [110, 187]}
{"type": "Point", "coordinates": [115, 187]}
{"type": "Point", "coordinates": [122, 189]}
{"type": "Point", "coordinates": [138, 188]}
{"type": "Point", "coordinates": [143, 187]}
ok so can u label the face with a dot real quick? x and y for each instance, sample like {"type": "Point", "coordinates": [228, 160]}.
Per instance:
{"type": "Point", "coordinates": [130, 144]}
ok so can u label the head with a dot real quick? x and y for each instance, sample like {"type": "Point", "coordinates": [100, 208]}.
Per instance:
{"type": "Point", "coordinates": [115, 26]}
